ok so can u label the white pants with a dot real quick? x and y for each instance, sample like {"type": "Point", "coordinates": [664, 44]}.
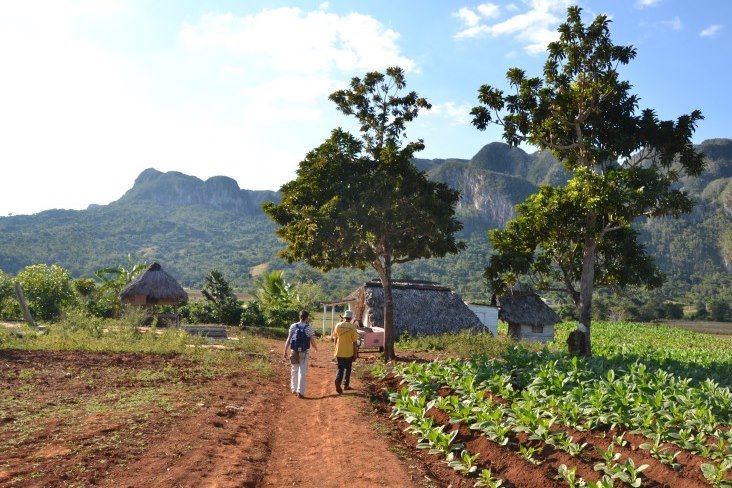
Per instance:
{"type": "Point", "coordinates": [298, 373]}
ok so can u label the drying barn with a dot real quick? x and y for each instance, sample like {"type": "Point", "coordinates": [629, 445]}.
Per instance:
{"type": "Point", "coordinates": [420, 308]}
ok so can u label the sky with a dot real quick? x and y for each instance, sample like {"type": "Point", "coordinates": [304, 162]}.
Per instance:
{"type": "Point", "coordinates": [92, 92]}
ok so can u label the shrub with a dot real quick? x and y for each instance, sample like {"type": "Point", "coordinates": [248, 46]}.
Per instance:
{"type": "Point", "coordinates": [9, 308]}
{"type": "Point", "coordinates": [281, 317]}
{"type": "Point", "coordinates": [251, 315]}
{"type": "Point", "coordinates": [200, 312]}
{"type": "Point", "coordinates": [47, 289]}
{"type": "Point", "coordinates": [673, 310]}
{"type": "Point", "coordinates": [229, 312]}
{"type": "Point", "coordinates": [84, 287]}
{"type": "Point", "coordinates": [719, 310]}
{"type": "Point", "coordinates": [567, 312]}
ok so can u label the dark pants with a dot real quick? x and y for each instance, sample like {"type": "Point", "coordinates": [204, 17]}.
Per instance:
{"type": "Point", "coordinates": [344, 366]}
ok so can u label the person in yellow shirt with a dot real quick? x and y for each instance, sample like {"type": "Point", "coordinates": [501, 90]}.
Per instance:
{"type": "Point", "coordinates": [346, 348]}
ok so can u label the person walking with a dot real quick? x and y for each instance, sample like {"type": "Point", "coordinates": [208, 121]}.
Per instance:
{"type": "Point", "coordinates": [346, 350]}
{"type": "Point", "coordinates": [300, 338]}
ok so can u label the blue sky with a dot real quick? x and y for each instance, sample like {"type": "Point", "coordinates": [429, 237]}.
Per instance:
{"type": "Point", "coordinates": [95, 91]}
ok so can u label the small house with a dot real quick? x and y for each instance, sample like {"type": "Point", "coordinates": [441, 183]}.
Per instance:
{"type": "Point", "coordinates": [420, 308]}
{"type": "Point", "coordinates": [527, 316]}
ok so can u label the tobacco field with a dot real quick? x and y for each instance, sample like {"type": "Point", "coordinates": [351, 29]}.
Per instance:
{"type": "Point", "coordinates": [651, 408]}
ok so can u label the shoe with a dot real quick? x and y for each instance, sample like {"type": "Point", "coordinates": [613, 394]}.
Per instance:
{"type": "Point", "coordinates": [347, 387]}
{"type": "Point", "coordinates": [300, 396]}
{"type": "Point", "coordinates": [338, 387]}
{"type": "Point", "coordinates": [293, 391]}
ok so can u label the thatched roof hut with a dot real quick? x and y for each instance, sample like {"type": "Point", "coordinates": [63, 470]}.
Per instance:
{"type": "Point", "coordinates": [154, 287]}
{"type": "Point", "coordinates": [527, 316]}
{"type": "Point", "coordinates": [420, 308]}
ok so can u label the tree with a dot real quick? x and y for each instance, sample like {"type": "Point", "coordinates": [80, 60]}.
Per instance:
{"type": "Point", "coordinates": [218, 292]}
{"type": "Point", "coordinates": [359, 202]}
{"type": "Point", "coordinates": [624, 165]}
{"type": "Point", "coordinates": [278, 301]}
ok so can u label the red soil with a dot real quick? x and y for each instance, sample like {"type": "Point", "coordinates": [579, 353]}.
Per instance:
{"type": "Point", "coordinates": [242, 431]}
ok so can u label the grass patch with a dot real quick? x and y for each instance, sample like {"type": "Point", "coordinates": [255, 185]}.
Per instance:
{"type": "Point", "coordinates": [462, 344]}
{"type": "Point", "coordinates": [277, 333]}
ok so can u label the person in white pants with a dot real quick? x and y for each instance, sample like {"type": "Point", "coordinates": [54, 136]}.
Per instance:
{"type": "Point", "coordinates": [298, 349]}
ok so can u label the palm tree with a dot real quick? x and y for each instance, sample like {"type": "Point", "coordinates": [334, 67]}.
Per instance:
{"type": "Point", "coordinates": [274, 292]}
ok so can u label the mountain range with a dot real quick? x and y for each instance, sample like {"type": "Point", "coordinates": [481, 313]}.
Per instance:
{"type": "Point", "coordinates": [192, 226]}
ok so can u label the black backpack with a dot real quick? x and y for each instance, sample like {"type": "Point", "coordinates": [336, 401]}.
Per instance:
{"type": "Point", "coordinates": [300, 340]}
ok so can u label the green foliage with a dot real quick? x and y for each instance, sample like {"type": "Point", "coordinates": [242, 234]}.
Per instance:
{"type": "Point", "coordinates": [105, 301]}
{"type": "Point", "coordinates": [279, 304]}
{"type": "Point", "coordinates": [719, 310]}
{"type": "Point", "coordinates": [84, 287]}
{"type": "Point", "coordinates": [224, 306]}
{"type": "Point", "coordinates": [637, 382]}
{"type": "Point", "coordinates": [78, 330]}
{"type": "Point", "coordinates": [623, 165]}
{"type": "Point", "coordinates": [463, 344]}
{"type": "Point", "coordinates": [361, 202]}
{"type": "Point", "coordinates": [7, 294]}
{"type": "Point", "coordinates": [251, 315]}
{"type": "Point", "coordinates": [199, 312]}
{"type": "Point", "coordinates": [47, 289]}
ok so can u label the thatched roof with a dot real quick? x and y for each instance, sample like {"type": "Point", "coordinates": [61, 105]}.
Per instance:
{"type": "Point", "coordinates": [156, 286]}
{"type": "Point", "coordinates": [525, 309]}
{"type": "Point", "coordinates": [419, 308]}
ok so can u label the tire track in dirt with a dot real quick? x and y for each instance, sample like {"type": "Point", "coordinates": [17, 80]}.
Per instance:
{"type": "Point", "coordinates": [326, 439]}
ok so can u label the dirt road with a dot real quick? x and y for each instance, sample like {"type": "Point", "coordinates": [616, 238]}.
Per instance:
{"type": "Point", "coordinates": [328, 440]}
{"type": "Point", "coordinates": [251, 435]}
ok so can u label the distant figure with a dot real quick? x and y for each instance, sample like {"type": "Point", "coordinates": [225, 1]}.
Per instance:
{"type": "Point", "coordinates": [299, 339]}
{"type": "Point", "coordinates": [346, 350]}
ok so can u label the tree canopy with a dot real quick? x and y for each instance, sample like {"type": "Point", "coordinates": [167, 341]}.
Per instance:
{"type": "Point", "coordinates": [359, 202]}
{"type": "Point", "coordinates": [624, 163]}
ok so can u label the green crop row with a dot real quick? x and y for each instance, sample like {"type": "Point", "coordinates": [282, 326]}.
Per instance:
{"type": "Point", "coordinates": [543, 389]}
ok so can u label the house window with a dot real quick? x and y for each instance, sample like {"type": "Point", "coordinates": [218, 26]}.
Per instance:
{"type": "Point", "coordinates": [537, 329]}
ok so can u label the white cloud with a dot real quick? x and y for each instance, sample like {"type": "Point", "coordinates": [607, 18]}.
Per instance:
{"type": "Point", "coordinates": [488, 10]}
{"type": "Point", "coordinates": [290, 40]}
{"type": "Point", "coordinates": [711, 31]}
{"type": "Point", "coordinates": [473, 19]}
{"type": "Point", "coordinates": [646, 3]}
{"type": "Point", "coordinates": [469, 17]}
{"type": "Point", "coordinates": [454, 113]}
{"type": "Point", "coordinates": [81, 119]}
{"type": "Point", "coordinates": [535, 28]}
{"type": "Point", "coordinates": [674, 23]}
{"type": "Point", "coordinates": [512, 7]}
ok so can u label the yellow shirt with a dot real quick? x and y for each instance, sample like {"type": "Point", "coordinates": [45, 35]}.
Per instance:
{"type": "Point", "coordinates": [345, 334]}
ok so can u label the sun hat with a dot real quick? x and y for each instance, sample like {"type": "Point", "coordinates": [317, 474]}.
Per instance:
{"type": "Point", "coordinates": [348, 314]}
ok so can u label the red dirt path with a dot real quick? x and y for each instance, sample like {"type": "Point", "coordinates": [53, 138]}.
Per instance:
{"type": "Point", "coordinates": [328, 440]}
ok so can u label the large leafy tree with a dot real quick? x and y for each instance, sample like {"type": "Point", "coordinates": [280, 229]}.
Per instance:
{"type": "Point", "coordinates": [624, 163]}
{"type": "Point", "coordinates": [360, 202]}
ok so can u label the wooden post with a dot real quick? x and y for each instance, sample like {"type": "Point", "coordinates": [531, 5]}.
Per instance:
{"type": "Point", "coordinates": [325, 308]}
{"type": "Point", "coordinates": [23, 305]}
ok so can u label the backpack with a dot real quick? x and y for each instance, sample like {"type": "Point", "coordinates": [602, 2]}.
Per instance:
{"type": "Point", "coordinates": [300, 340]}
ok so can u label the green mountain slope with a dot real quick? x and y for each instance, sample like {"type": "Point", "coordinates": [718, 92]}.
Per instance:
{"type": "Point", "coordinates": [192, 226]}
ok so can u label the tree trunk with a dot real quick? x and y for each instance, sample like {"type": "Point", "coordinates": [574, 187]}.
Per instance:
{"type": "Point", "coordinates": [587, 282]}
{"type": "Point", "coordinates": [24, 305]}
{"type": "Point", "coordinates": [385, 277]}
